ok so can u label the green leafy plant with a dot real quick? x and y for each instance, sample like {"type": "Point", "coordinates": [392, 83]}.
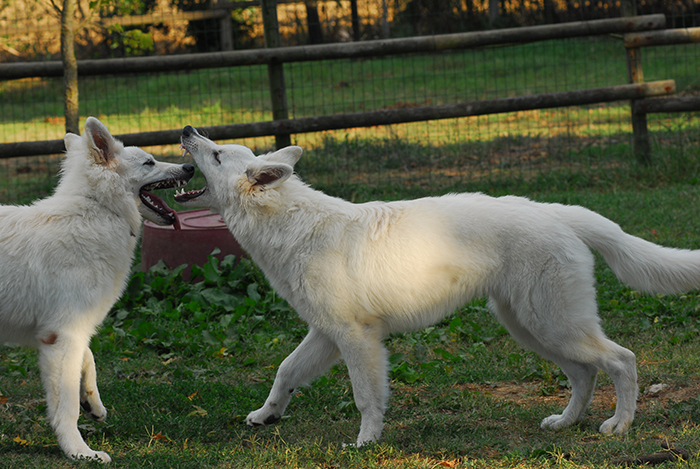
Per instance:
{"type": "Point", "coordinates": [227, 306]}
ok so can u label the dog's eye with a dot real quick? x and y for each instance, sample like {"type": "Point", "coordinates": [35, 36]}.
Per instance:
{"type": "Point", "coordinates": [149, 163]}
{"type": "Point", "coordinates": [215, 153]}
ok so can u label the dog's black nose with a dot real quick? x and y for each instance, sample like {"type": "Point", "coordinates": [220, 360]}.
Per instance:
{"type": "Point", "coordinates": [188, 167]}
{"type": "Point", "coordinates": [188, 130]}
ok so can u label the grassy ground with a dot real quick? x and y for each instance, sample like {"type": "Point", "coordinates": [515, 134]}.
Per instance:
{"type": "Point", "coordinates": [435, 155]}
{"type": "Point", "coordinates": [180, 365]}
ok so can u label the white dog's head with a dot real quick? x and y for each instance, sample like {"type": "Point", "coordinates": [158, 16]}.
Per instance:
{"type": "Point", "coordinates": [100, 167]}
{"type": "Point", "coordinates": [233, 170]}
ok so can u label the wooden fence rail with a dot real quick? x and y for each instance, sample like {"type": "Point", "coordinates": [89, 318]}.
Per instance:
{"type": "Point", "coordinates": [367, 119]}
{"type": "Point", "coordinates": [377, 48]}
{"type": "Point", "coordinates": [352, 50]}
{"type": "Point", "coordinates": [641, 107]}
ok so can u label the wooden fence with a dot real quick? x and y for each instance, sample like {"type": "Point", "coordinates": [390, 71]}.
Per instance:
{"type": "Point", "coordinates": [640, 108]}
{"type": "Point", "coordinates": [644, 26]}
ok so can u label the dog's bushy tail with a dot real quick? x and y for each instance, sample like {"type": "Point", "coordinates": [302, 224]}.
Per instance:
{"type": "Point", "coordinates": [638, 263]}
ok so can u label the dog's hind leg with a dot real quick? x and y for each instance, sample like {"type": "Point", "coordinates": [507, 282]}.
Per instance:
{"type": "Point", "coordinates": [61, 362]}
{"type": "Point", "coordinates": [582, 378]}
{"type": "Point", "coordinates": [89, 394]}
{"type": "Point", "coordinates": [577, 344]}
{"type": "Point", "coordinates": [311, 358]}
{"type": "Point", "coordinates": [620, 364]}
{"type": "Point", "coordinates": [550, 306]}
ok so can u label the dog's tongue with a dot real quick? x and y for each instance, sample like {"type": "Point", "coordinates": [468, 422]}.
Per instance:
{"type": "Point", "coordinates": [159, 203]}
{"type": "Point", "coordinates": [176, 223]}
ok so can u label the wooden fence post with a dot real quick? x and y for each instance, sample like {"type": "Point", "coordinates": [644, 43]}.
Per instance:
{"type": "Point", "coordinates": [225, 28]}
{"type": "Point", "coordinates": [635, 74]}
{"type": "Point", "coordinates": [275, 71]}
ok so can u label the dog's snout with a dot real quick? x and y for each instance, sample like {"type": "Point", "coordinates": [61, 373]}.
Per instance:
{"type": "Point", "coordinates": [188, 131]}
{"type": "Point", "coordinates": [188, 168]}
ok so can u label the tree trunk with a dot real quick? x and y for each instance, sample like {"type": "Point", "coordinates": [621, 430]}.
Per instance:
{"type": "Point", "coordinates": [494, 13]}
{"type": "Point", "coordinates": [355, 20]}
{"type": "Point", "coordinates": [70, 67]}
{"type": "Point", "coordinates": [313, 22]}
{"type": "Point", "coordinates": [549, 11]}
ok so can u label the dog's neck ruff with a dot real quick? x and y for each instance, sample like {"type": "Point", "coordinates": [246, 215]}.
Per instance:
{"type": "Point", "coordinates": [125, 216]}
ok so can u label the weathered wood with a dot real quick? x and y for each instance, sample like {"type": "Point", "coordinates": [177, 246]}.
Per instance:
{"type": "Point", "coordinates": [669, 104]}
{"type": "Point", "coordinates": [351, 50]}
{"type": "Point", "coordinates": [640, 131]}
{"type": "Point", "coordinates": [369, 119]}
{"type": "Point", "coordinates": [275, 71]}
{"type": "Point", "coordinates": [635, 72]}
{"type": "Point", "coordinates": [662, 38]}
{"type": "Point", "coordinates": [163, 18]}
{"type": "Point", "coordinates": [641, 140]}
{"type": "Point", "coordinates": [133, 20]}
{"type": "Point", "coordinates": [40, 147]}
{"type": "Point", "coordinates": [226, 30]}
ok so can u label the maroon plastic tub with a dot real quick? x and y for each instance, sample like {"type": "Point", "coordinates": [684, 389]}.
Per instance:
{"type": "Point", "coordinates": [201, 231]}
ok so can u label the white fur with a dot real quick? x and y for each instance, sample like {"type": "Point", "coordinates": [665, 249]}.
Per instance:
{"type": "Point", "coordinates": [65, 260]}
{"type": "Point", "coordinates": [358, 272]}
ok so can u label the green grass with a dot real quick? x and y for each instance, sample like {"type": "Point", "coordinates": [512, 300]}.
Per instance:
{"type": "Point", "coordinates": [180, 365]}
{"type": "Point", "coordinates": [32, 108]}
{"type": "Point", "coordinates": [504, 147]}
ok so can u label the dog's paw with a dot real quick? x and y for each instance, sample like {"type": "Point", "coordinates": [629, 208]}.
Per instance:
{"type": "Point", "coordinates": [96, 412]}
{"type": "Point", "coordinates": [262, 417]}
{"type": "Point", "coordinates": [554, 422]}
{"type": "Point", "coordinates": [615, 425]}
{"type": "Point", "coordinates": [99, 456]}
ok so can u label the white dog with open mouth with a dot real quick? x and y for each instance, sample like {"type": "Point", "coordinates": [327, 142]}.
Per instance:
{"type": "Point", "coordinates": [358, 272]}
{"type": "Point", "coordinates": [65, 260]}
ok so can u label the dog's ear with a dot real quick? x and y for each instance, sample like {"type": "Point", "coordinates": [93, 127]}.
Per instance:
{"type": "Point", "coordinates": [287, 155]}
{"type": "Point", "coordinates": [101, 144]}
{"type": "Point", "coordinates": [268, 175]}
{"type": "Point", "coordinates": [70, 140]}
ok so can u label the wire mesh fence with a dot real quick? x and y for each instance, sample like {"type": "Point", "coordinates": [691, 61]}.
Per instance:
{"type": "Point", "coordinates": [435, 156]}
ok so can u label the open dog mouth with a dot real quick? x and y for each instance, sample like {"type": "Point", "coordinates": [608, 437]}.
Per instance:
{"type": "Point", "coordinates": [158, 205]}
{"type": "Point", "coordinates": [182, 196]}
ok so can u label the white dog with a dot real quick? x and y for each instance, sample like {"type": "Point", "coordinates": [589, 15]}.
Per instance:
{"type": "Point", "coordinates": [65, 260]}
{"type": "Point", "coordinates": [358, 272]}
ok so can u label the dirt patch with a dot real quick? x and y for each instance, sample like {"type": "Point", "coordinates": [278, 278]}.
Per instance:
{"type": "Point", "coordinates": [528, 394]}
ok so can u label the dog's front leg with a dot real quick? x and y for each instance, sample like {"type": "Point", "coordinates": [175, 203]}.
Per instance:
{"type": "Point", "coordinates": [367, 362]}
{"type": "Point", "coordinates": [89, 394]}
{"type": "Point", "coordinates": [311, 358]}
{"type": "Point", "coordinates": [61, 357]}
